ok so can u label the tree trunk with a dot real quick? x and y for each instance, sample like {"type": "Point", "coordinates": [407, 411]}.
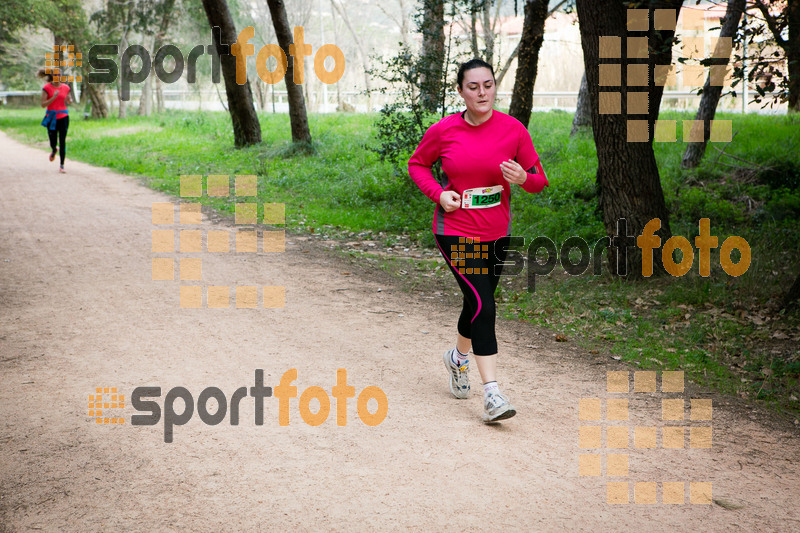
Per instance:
{"type": "Point", "coordinates": [711, 93]}
{"type": "Point", "coordinates": [473, 25]}
{"type": "Point", "coordinates": [583, 112]}
{"type": "Point", "coordinates": [793, 55]}
{"type": "Point", "coordinates": [773, 12]}
{"type": "Point", "coordinates": [528, 60]}
{"type": "Point", "coordinates": [95, 95]}
{"type": "Point", "coordinates": [147, 96]}
{"type": "Point", "coordinates": [513, 55]}
{"type": "Point", "coordinates": [123, 104]}
{"type": "Point", "coordinates": [167, 9]}
{"type": "Point", "coordinates": [146, 99]}
{"type": "Point", "coordinates": [259, 90]}
{"type": "Point", "coordinates": [431, 61]}
{"type": "Point", "coordinates": [627, 175]}
{"type": "Point", "coordinates": [488, 32]}
{"type": "Point", "coordinates": [159, 95]}
{"type": "Point", "coordinates": [246, 128]}
{"type": "Point", "coordinates": [403, 23]}
{"type": "Point", "coordinates": [793, 296]}
{"type": "Point", "coordinates": [297, 103]}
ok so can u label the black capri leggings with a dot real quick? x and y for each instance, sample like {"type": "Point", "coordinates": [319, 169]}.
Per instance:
{"type": "Point", "coordinates": [476, 267]}
{"type": "Point", "coordinates": [62, 125]}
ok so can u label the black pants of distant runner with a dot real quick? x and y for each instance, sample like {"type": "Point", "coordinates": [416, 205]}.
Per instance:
{"type": "Point", "coordinates": [477, 268]}
{"type": "Point", "coordinates": [60, 133]}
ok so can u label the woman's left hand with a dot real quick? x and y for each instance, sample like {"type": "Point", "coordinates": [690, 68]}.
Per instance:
{"type": "Point", "coordinates": [513, 172]}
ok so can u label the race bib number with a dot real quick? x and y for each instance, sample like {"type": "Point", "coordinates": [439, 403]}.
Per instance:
{"type": "Point", "coordinates": [481, 197]}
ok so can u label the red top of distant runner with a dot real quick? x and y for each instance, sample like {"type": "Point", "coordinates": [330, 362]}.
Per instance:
{"type": "Point", "coordinates": [471, 157]}
{"type": "Point", "coordinates": [60, 103]}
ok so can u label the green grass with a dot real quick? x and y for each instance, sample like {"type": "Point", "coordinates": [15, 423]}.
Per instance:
{"type": "Point", "coordinates": [735, 338]}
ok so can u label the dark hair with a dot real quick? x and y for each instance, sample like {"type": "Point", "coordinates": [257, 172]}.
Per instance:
{"type": "Point", "coordinates": [44, 74]}
{"type": "Point", "coordinates": [469, 65]}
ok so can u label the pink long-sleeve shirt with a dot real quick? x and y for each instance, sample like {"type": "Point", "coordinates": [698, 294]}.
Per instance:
{"type": "Point", "coordinates": [471, 157]}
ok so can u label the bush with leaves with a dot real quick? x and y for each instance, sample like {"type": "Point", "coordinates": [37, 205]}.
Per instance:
{"type": "Point", "coordinates": [402, 124]}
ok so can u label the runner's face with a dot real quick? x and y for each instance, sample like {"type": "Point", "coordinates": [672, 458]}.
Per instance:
{"type": "Point", "coordinates": [478, 90]}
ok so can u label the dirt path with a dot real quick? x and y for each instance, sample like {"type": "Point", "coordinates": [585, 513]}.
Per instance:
{"type": "Point", "coordinates": [79, 310]}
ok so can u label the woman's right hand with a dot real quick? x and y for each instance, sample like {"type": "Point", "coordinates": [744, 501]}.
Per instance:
{"type": "Point", "coordinates": [450, 201]}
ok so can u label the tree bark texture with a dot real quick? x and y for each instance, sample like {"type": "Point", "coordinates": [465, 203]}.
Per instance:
{"type": "Point", "coordinates": [488, 32]}
{"type": "Point", "coordinates": [793, 55]}
{"type": "Point", "coordinates": [146, 99]}
{"type": "Point", "coordinates": [628, 181]}
{"type": "Point", "coordinates": [473, 21]}
{"type": "Point", "coordinates": [528, 60]}
{"type": "Point", "coordinates": [246, 128]}
{"type": "Point", "coordinates": [793, 296]}
{"type": "Point", "coordinates": [583, 112]}
{"type": "Point", "coordinates": [711, 93]}
{"type": "Point", "coordinates": [431, 61]}
{"type": "Point", "coordinates": [297, 102]}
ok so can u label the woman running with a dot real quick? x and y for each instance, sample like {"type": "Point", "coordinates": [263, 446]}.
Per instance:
{"type": "Point", "coordinates": [483, 153]}
{"type": "Point", "coordinates": [56, 98]}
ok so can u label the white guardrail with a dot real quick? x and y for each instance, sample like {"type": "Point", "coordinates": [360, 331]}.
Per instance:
{"type": "Point", "coordinates": [277, 100]}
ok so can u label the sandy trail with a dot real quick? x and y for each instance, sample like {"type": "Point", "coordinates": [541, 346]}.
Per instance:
{"type": "Point", "coordinates": [79, 310]}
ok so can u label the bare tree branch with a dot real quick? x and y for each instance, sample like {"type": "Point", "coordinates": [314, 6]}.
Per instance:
{"type": "Point", "coordinates": [513, 55]}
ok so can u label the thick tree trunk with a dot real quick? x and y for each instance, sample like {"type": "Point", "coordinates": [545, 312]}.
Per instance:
{"type": "Point", "coordinates": [246, 128]}
{"type": "Point", "coordinates": [627, 175]}
{"type": "Point", "coordinates": [583, 112]}
{"type": "Point", "coordinates": [297, 103]}
{"type": "Point", "coordinates": [431, 61]}
{"type": "Point", "coordinates": [528, 60]}
{"type": "Point", "coordinates": [711, 93]}
{"type": "Point", "coordinates": [95, 94]}
{"type": "Point", "coordinates": [793, 296]}
{"type": "Point", "coordinates": [793, 55]}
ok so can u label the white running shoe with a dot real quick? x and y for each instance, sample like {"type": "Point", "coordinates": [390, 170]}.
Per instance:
{"type": "Point", "coordinates": [497, 407]}
{"type": "Point", "coordinates": [459, 376]}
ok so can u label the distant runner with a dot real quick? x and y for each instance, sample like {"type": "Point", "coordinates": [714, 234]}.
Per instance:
{"type": "Point", "coordinates": [483, 153]}
{"type": "Point", "coordinates": [56, 98]}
